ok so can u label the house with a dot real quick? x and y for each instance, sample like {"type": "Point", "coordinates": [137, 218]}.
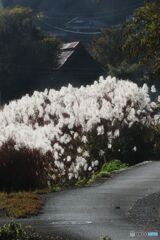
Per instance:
{"type": "Point", "coordinates": [76, 66]}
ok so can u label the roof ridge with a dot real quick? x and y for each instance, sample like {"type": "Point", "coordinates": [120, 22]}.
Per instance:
{"type": "Point", "coordinates": [70, 45]}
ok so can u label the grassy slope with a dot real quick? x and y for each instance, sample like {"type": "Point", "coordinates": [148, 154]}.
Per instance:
{"type": "Point", "coordinates": [107, 169]}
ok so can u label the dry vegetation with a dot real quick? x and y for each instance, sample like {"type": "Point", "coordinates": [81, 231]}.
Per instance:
{"type": "Point", "coordinates": [21, 204]}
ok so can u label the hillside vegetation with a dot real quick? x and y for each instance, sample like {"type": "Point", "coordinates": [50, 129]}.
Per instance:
{"type": "Point", "coordinates": [25, 52]}
{"type": "Point", "coordinates": [132, 51]}
{"type": "Point", "coordinates": [108, 11]}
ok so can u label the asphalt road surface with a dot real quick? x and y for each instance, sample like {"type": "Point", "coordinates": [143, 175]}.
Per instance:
{"type": "Point", "coordinates": [90, 212]}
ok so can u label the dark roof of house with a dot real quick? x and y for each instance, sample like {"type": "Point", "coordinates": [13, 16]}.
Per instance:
{"type": "Point", "coordinates": [75, 58]}
{"type": "Point", "coordinates": [76, 66]}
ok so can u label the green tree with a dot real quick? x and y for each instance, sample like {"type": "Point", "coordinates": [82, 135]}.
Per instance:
{"type": "Point", "coordinates": [142, 36]}
{"type": "Point", "coordinates": [131, 71]}
{"type": "Point", "coordinates": [108, 50]}
{"type": "Point", "coordinates": [26, 3]}
{"type": "Point", "coordinates": [25, 51]}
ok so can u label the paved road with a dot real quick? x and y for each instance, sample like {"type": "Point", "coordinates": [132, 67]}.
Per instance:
{"type": "Point", "coordinates": [89, 212]}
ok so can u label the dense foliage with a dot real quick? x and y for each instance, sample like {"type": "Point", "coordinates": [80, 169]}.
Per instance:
{"type": "Point", "coordinates": [25, 52]}
{"type": "Point", "coordinates": [61, 136]}
{"type": "Point", "coordinates": [110, 11]}
{"type": "Point", "coordinates": [15, 231]}
{"type": "Point", "coordinates": [132, 51]}
{"type": "Point", "coordinates": [142, 36]}
{"type": "Point", "coordinates": [108, 50]}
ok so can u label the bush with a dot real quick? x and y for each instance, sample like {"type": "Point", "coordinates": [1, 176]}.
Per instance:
{"type": "Point", "coordinates": [59, 137]}
{"type": "Point", "coordinates": [21, 170]}
{"type": "Point", "coordinates": [15, 231]}
{"type": "Point", "coordinates": [105, 238]}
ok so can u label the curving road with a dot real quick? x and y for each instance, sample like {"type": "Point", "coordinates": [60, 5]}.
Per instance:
{"type": "Point", "coordinates": [89, 212]}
